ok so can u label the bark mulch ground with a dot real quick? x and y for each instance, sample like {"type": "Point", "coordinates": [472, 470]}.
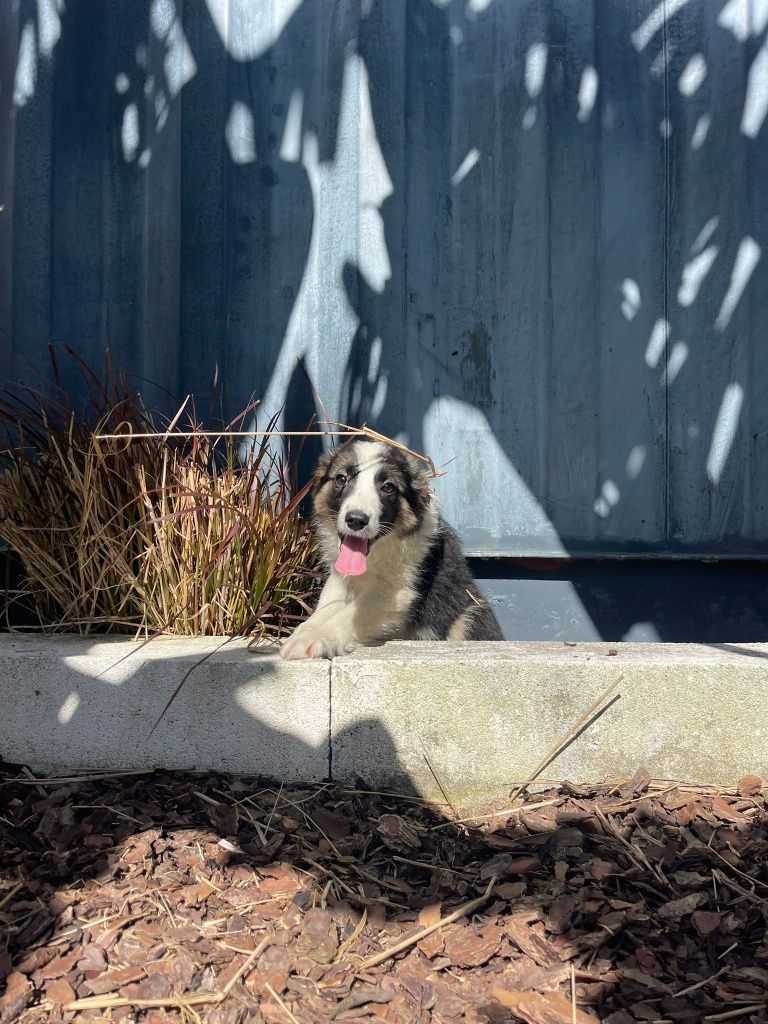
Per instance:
{"type": "Point", "coordinates": [184, 898]}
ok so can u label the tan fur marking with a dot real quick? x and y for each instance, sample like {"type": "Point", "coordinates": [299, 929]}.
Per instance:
{"type": "Point", "coordinates": [321, 503]}
{"type": "Point", "coordinates": [459, 627]}
{"type": "Point", "coordinates": [406, 520]}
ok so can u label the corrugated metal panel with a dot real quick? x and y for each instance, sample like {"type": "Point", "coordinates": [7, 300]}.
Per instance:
{"type": "Point", "coordinates": [526, 236]}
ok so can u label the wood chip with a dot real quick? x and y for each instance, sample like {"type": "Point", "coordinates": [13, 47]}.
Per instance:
{"type": "Point", "coordinates": [550, 1008]}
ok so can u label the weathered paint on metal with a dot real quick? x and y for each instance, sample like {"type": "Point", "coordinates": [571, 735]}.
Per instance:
{"type": "Point", "coordinates": [529, 237]}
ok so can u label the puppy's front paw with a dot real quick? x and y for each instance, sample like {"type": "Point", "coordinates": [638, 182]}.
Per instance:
{"type": "Point", "coordinates": [310, 644]}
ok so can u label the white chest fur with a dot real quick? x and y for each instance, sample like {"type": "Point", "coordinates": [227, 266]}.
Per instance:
{"type": "Point", "coordinates": [357, 610]}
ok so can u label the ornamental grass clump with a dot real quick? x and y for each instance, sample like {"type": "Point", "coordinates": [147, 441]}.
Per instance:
{"type": "Point", "coordinates": [147, 535]}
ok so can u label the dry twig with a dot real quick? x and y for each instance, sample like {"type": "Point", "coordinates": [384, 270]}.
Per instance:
{"type": "Point", "coordinates": [465, 908]}
{"type": "Point", "coordinates": [565, 738]}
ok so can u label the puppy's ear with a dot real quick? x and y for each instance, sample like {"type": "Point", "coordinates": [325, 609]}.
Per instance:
{"type": "Point", "coordinates": [419, 484]}
{"type": "Point", "coordinates": [321, 472]}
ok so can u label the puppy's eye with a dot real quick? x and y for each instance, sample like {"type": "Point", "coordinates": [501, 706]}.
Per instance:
{"type": "Point", "coordinates": [388, 487]}
{"type": "Point", "coordinates": [339, 479]}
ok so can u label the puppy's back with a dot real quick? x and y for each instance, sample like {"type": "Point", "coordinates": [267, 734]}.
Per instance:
{"type": "Point", "coordinates": [448, 605]}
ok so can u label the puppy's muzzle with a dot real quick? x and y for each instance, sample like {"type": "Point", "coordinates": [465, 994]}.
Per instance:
{"type": "Point", "coordinates": [356, 520]}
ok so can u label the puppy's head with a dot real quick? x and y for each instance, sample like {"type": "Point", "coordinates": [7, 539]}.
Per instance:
{"type": "Point", "coordinates": [364, 491]}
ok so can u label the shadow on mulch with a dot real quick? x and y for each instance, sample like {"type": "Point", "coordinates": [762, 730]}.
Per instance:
{"type": "Point", "coordinates": [187, 898]}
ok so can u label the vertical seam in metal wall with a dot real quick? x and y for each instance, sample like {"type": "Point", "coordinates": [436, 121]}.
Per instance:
{"type": "Point", "coordinates": [405, 200]}
{"type": "Point", "coordinates": [179, 170]}
{"type": "Point", "coordinates": [665, 268]}
{"type": "Point", "coordinates": [142, 323]}
{"type": "Point", "coordinates": [224, 203]}
{"type": "Point", "coordinates": [545, 461]}
{"type": "Point", "coordinates": [52, 148]}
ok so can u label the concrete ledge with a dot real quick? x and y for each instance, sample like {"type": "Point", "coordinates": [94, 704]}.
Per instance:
{"type": "Point", "coordinates": [70, 704]}
{"type": "Point", "coordinates": [486, 714]}
{"type": "Point", "coordinates": [482, 714]}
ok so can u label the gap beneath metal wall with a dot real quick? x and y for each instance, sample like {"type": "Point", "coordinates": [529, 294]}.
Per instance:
{"type": "Point", "coordinates": [637, 599]}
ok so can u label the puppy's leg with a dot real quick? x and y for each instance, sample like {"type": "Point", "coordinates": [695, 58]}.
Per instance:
{"type": "Point", "coordinates": [329, 630]}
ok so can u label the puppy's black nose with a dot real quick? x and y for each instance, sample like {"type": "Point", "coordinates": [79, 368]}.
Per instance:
{"type": "Point", "coordinates": [356, 520]}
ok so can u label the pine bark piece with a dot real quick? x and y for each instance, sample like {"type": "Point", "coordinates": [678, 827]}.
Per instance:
{"type": "Point", "coordinates": [535, 1008]}
{"type": "Point", "coordinates": [468, 947]}
{"type": "Point", "coordinates": [17, 995]}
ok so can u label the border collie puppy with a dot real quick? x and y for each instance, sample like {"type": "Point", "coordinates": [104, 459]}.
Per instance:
{"type": "Point", "coordinates": [397, 571]}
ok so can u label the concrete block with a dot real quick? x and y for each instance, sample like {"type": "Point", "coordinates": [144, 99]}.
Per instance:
{"type": "Point", "coordinates": [68, 704]}
{"type": "Point", "coordinates": [486, 714]}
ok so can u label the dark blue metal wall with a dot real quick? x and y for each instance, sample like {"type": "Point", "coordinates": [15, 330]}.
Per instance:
{"type": "Point", "coordinates": [528, 236]}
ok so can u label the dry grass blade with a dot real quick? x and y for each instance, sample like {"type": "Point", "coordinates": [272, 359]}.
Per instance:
{"type": "Point", "coordinates": [345, 431]}
{"type": "Point", "coordinates": [124, 527]}
{"type": "Point", "coordinates": [280, 1003]}
{"type": "Point", "coordinates": [10, 894]}
{"type": "Point", "coordinates": [169, 1002]}
{"type": "Point", "coordinates": [440, 784]}
{"type": "Point", "coordinates": [349, 942]}
{"type": "Point", "coordinates": [742, 1011]}
{"type": "Point", "coordinates": [699, 984]}
{"type": "Point", "coordinates": [465, 908]}
{"type": "Point", "coordinates": [376, 436]}
{"type": "Point", "coordinates": [567, 736]}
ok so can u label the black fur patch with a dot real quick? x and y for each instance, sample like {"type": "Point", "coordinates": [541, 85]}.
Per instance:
{"type": "Point", "coordinates": [446, 590]}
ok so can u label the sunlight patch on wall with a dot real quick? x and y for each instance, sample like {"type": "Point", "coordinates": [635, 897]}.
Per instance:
{"type": "Point", "coordinates": [744, 18]}
{"type": "Point", "coordinates": [458, 433]}
{"type": "Point", "coordinates": [179, 64]}
{"type": "Point", "coordinates": [724, 432]}
{"type": "Point", "coordinates": [290, 146]}
{"type": "Point", "coordinates": [665, 10]}
{"type": "Point", "coordinates": [25, 79]}
{"type": "Point", "coordinates": [535, 68]}
{"type": "Point", "coordinates": [374, 360]}
{"type": "Point", "coordinates": [657, 343]}
{"type": "Point", "coordinates": [240, 134]}
{"type": "Point", "coordinates": [380, 396]}
{"type": "Point", "coordinates": [704, 235]}
{"type": "Point", "coordinates": [630, 303]}
{"type": "Point", "coordinates": [35, 42]}
{"type": "Point", "coordinates": [248, 28]}
{"type": "Point", "coordinates": [465, 167]}
{"type": "Point", "coordinates": [48, 25]}
{"type": "Point", "coordinates": [756, 99]}
{"type": "Point", "coordinates": [694, 272]}
{"type": "Point", "coordinates": [693, 75]}
{"type": "Point", "coordinates": [662, 60]}
{"type": "Point", "coordinates": [348, 192]}
{"type": "Point", "coordinates": [635, 461]}
{"type": "Point", "coordinates": [641, 633]}
{"type": "Point", "coordinates": [701, 131]}
{"type": "Point", "coordinates": [129, 133]}
{"type": "Point", "coordinates": [375, 187]}
{"type": "Point", "coordinates": [587, 93]}
{"type": "Point", "coordinates": [675, 363]}
{"type": "Point", "coordinates": [609, 498]}
{"type": "Point", "coordinates": [747, 258]}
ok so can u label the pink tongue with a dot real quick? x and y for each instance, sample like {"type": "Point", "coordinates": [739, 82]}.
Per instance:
{"type": "Point", "coordinates": [353, 554]}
